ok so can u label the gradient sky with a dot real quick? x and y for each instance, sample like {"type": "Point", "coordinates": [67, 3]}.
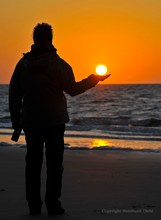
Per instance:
{"type": "Point", "coordinates": [125, 35]}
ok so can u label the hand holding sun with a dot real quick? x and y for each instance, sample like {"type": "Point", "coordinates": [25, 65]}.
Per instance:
{"type": "Point", "coordinates": [101, 71]}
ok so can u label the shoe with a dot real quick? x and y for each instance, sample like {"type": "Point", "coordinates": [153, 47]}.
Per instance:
{"type": "Point", "coordinates": [35, 211]}
{"type": "Point", "coordinates": [56, 211]}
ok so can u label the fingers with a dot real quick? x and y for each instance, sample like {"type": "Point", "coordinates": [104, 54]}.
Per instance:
{"type": "Point", "coordinates": [102, 78]}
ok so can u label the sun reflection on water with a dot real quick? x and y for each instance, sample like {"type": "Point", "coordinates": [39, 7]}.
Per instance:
{"type": "Point", "coordinates": [100, 143]}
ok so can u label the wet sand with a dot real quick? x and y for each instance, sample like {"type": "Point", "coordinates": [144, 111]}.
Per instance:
{"type": "Point", "coordinates": [97, 184]}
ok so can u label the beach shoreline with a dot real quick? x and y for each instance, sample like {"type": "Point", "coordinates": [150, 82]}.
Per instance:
{"type": "Point", "coordinates": [96, 185]}
{"type": "Point", "coordinates": [92, 143]}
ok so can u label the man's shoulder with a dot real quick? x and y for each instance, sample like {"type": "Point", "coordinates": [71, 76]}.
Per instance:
{"type": "Point", "coordinates": [63, 63]}
{"type": "Point", "coordinates": [20, 63]}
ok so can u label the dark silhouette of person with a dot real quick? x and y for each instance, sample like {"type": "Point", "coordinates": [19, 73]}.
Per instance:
{"type": "Point", "coordinates": [38, 106]}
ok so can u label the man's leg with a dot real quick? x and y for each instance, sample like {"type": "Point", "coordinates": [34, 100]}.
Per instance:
{"type": "Point", "coordinates": [54, 161]}
{"type": "Point", "coordinates": [34, 159]}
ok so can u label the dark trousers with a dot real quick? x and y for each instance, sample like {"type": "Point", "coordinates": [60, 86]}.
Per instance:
{"type": "Point", "coordinates": [53, 140]}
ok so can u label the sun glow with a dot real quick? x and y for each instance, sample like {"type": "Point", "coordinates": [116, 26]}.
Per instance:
{"type": "Point", "coordinates": [101, 70]}
{"type": "Point", "coordinates": [100, 143]}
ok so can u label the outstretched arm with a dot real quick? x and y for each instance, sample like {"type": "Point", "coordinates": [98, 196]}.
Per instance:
{"type": "Point", "coordinates": [77, 88]}
{"type": "Point", "coordinates": [74, 88]}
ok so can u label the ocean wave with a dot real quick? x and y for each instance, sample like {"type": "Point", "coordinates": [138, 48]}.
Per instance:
{"type": "Point", "coordinates": [151, 122]}
{"type": "Point", "coordinates": [94, 130]}
{"type": "Point", "coordinates": [100, 121]}
{"type": "Point", "coordinates": [103, 101]}
{"type": "Point", "coordinates": [5, 121]}
{"type": "Point", "coordinates": [113, 136]}
{"type": "Point", "coordinates": [5, 144]}
{"type": "Point", "coordinates": [5, 117]}
{"type": "Point", "coordinates": [120, 120]}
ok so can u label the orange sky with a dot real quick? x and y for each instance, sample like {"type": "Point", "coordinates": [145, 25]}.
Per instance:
{"type": "Point", "coordinates": [125, 35]}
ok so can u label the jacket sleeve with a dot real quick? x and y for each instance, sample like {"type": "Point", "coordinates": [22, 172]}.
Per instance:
{"type": "Point", "coordinates": [72, 87]}
{"type": "Point", "coordinates": [15, 97]}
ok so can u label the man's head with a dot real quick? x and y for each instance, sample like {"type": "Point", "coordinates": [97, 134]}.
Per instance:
{"type": "Point", "coordinates": [43, 34]}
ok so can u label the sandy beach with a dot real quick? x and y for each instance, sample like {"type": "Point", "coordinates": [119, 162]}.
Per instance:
{"type": "Point", "coordinates": [97, 184]}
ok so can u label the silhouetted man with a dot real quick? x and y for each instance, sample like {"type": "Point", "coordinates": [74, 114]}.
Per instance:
{"type": "Point", "coordinates": [38, 106]}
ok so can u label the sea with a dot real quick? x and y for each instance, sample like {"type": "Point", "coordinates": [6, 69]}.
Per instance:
{"type": "Point", "coordinates": [106, 117]}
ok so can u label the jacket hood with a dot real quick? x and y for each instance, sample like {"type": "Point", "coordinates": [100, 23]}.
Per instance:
{"type": "Point", "coordinates": [39, 57]}
{"type": "Point", "coordinates": [37, 50]}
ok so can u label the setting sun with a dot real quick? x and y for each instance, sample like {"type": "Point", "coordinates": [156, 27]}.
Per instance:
{"type": "Point", "coordinates": [101, 70]}
{"type": "Point", "coordinates": [126, 39]}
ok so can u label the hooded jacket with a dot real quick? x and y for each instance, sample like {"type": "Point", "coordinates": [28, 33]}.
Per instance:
{"type": "Point", "coordinates": [37, 86]}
